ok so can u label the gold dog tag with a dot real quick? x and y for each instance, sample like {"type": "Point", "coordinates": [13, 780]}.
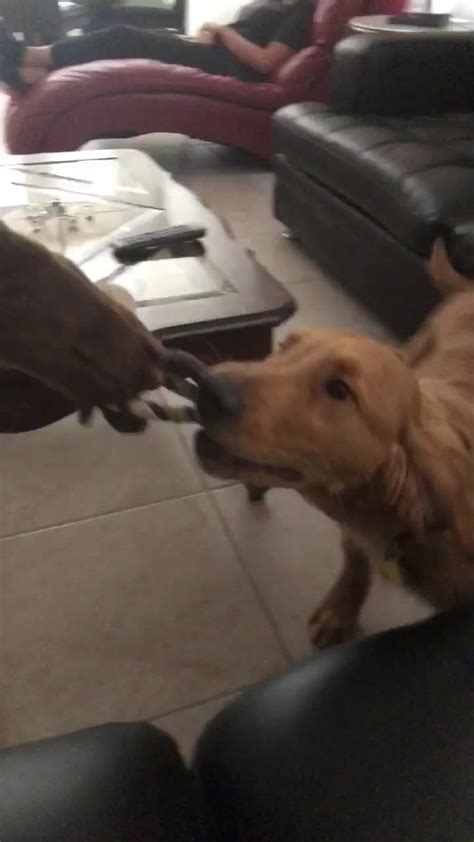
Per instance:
{"type": "Point", "coordinates": [390, 570]}
{"type": "Point", "coordinates": [390, 567]}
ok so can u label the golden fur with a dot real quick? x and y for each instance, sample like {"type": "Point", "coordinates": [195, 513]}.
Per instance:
{"type": "Point", "coordinates": [392, 461]}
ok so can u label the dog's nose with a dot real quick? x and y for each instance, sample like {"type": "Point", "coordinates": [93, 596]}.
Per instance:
{"type": "Point", "coordinates": [218, 398]}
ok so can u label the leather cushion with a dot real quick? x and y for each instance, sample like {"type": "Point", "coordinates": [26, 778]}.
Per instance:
{"type": "Point", "coordinates": [114, 783]}
{"type": "Point", "coordinates": [415, 178]}
{"type": "Point", "coordinates": [369, 742]}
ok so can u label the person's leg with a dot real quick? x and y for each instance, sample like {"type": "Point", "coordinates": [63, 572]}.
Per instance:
{"type": "Point", "coordinates": [126, 42]}
{"type": "Point", "coordinates": [118, 42]}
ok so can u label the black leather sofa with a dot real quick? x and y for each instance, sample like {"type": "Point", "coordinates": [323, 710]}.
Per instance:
{"type": "Point", "coordinates": [368, 184]}
{"type": "Point", "coordinates": [368, 742]}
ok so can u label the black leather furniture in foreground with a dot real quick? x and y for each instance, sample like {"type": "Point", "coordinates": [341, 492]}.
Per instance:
{"type": "Point", "coordinates": [369, 742]}
{"type": "Point", "coordinates": [369, 183]}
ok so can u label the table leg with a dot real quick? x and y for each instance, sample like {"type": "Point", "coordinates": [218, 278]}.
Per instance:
{"type": "Point", "coordinates": [256, 493]}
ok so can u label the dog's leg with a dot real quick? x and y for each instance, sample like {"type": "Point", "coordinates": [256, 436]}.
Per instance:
{"type": "Point", "coordinates": [442, 272]}
{"type": "Point", "coordinates": [335, 620]}
{"type": "Point", "coordinates": [256, 493]}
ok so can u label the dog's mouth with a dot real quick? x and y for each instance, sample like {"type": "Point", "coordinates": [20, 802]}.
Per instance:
{"type": "Point", "coordinates": [217, 459]}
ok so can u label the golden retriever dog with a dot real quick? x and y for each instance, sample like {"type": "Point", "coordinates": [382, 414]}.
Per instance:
{"type": "Point", "coordinates": [382, 441]}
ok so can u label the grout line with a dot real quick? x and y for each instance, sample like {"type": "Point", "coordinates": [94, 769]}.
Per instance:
{"type": "Point", "coordinates": [215, 698]}
{"type": "Point", "coordinates": [204, 488]}
{"type": "Point", "coordinates": [102, 515]}
{"type": "Point", "coordinates": [248, 575]}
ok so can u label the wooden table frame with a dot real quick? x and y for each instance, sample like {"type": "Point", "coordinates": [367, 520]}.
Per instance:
{"type": "Point", "coordinates": [238, 325]}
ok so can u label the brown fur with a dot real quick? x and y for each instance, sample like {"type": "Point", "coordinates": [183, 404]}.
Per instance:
{"type": "Point", "coordinates": [394, 463]}
{"type": "Point", "coordinates": [64, 344]}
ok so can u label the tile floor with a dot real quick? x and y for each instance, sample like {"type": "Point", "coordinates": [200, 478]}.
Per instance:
{"type": "Point", "coordinates": [131, 586]}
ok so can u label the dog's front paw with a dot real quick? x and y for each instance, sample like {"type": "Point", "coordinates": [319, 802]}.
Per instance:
{"type": "Point", "coordinates": [329, 626]}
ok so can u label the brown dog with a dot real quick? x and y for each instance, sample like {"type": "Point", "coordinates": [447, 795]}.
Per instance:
{"type": "Point", "coordinates": [380, 441]}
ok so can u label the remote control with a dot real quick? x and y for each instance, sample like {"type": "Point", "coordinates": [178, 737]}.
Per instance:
{"type": "Point", "coordinates": [140, 246]}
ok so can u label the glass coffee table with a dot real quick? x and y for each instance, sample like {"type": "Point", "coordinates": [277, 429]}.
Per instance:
{"type": "Point", "coordinates": [211, 298]}
{"type": "Point", "coordinates": [383, 25]}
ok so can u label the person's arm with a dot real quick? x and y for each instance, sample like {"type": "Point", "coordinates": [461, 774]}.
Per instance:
{"type": "Point", "coordinates": [262, 59]}
{"type": "Point", "coordinates": [290, 37]}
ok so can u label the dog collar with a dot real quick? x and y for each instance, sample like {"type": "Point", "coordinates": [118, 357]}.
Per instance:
{"type": "Point", "coordinates": [395, 565]}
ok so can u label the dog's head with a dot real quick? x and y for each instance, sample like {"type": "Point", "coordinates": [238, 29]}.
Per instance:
{"type": "Point", "coordinates": [328, 411]}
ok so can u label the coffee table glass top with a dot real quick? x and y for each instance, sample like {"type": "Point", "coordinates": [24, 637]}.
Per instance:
{"type": "Point", "coordinates": [79, 203]}
{"type": "Point", "coordinates": [79, 208]}
{"type": "Point", "coordinates": [109, 177]}
{"type": "Point", "coordinates": [383, 23]}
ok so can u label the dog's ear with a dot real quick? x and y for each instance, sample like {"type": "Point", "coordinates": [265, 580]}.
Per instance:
{"type": "Point", "coordinates": [442, 272]}
{"type": "Point", "coordinates": [294, 338]}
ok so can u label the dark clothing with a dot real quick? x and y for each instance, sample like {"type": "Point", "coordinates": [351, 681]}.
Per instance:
{"type": "Point", "coordinates": [125, 42]}
{"type": "Point", "coordinates": [261, 25]}
{"type": "Point", "coordinates": [268, 22]}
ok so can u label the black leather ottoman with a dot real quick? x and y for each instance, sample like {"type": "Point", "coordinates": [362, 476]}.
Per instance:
{"type": "Point", "coordinates": [367, 742]}
{"type": "Point", "coordinates": [369, 189]}
{"type": "Point", "coordinates": [114, 783]}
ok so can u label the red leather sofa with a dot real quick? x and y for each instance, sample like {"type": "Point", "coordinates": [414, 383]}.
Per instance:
{"type": "Point", "coordinates": [126, 98]}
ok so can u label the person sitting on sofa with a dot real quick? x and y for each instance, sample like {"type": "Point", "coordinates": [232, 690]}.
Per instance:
{"type": "Point", "coordinates": [263, 37]}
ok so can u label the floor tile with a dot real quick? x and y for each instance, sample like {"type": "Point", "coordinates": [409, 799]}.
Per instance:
{"type": "Point", "coordinates": [210, 157]}
{"type": "Point", "coordinates": [264, 183]}
{"type": "Point", "coordinates": [127, 616]}
{"type": "Point", "coordinates": [284, 259]}
{"type": "Point", "coordinates": [66, 472]}
{"type": "Point", "coordinates": [168, 150]}
{"type": "Point", "coordinates": [234, 185]}
{"type": "Point", "coordinates": [292, 553]}
{"type": "Point", "coordinates": [234, 199]}
{"type": "Point", "coordinates": [322, 304]}
{"type": "Point", "coordinates": [3, 637]}
{"type": "Point", "coordinates": [187, 725]}
{"type": "Point", "coordinates": [185, 157]}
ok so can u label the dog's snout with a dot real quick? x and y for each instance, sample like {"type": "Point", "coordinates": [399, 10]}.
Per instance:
{"type": "Point", "coordinates": [219, 398]}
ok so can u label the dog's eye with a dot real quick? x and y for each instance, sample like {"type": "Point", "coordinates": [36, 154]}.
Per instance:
{"type": "Point", "coordinates": [337, 389]}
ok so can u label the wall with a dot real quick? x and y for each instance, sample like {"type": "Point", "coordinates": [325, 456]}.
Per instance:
{"type": "Point", "coordinates": [223, 10]}
{"type": "Point", "coordinates": [459, 8]}
{"type": "Point", "coordinates": [464, 8]}
{"type": "Point", "coordinates": [220, 11]}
